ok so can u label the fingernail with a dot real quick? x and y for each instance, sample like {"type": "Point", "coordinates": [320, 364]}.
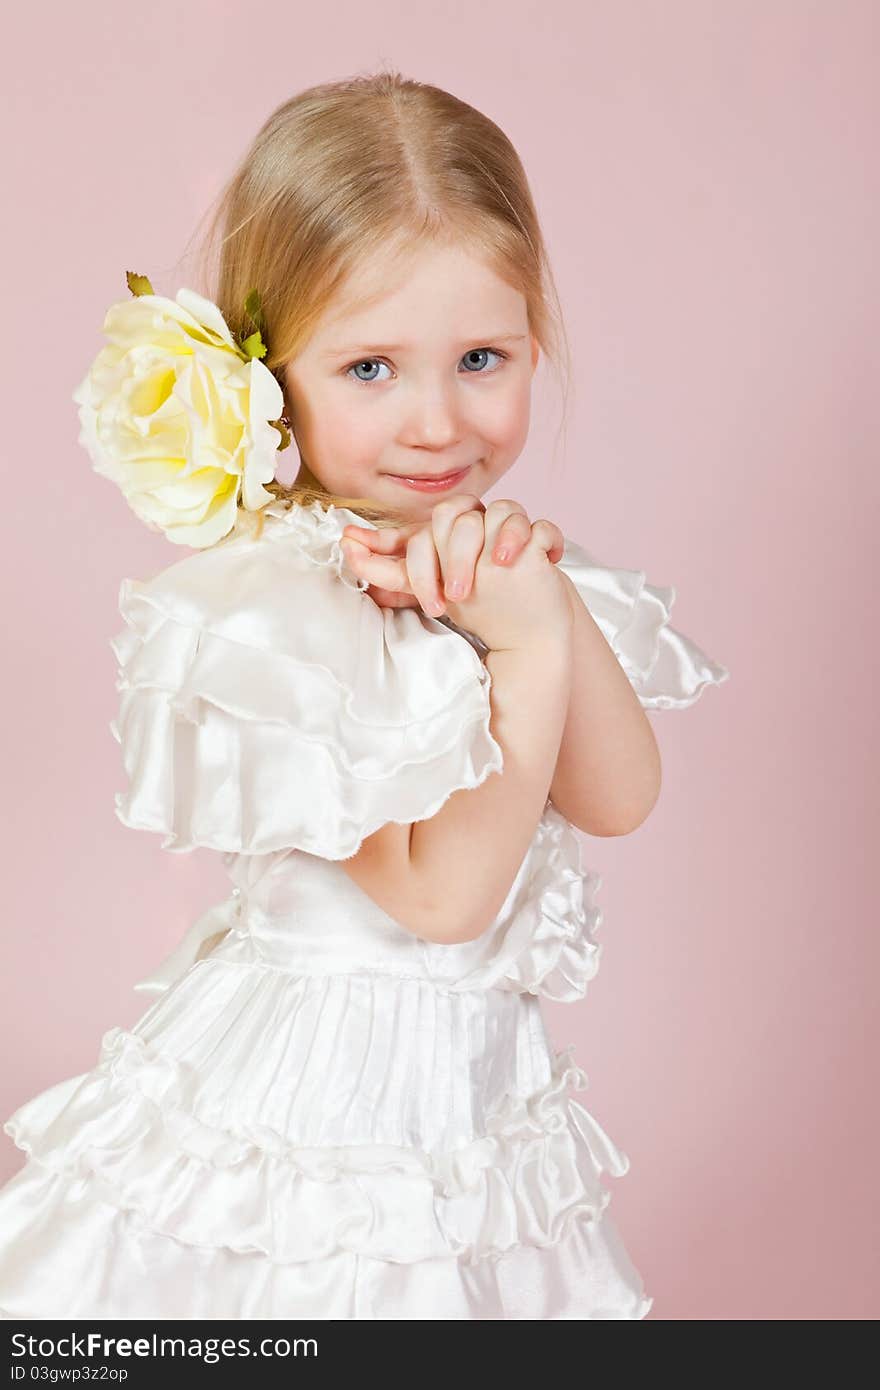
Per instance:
{"type": "Point", "coordinates": [502, 555]}
{"type": "Point", "coordinates": [455, 589]}
{"type": "Point", "coordinates": [436, 606]}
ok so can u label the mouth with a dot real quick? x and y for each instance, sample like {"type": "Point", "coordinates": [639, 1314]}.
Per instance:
{"type": "Point", "coordinates": [431, 482]}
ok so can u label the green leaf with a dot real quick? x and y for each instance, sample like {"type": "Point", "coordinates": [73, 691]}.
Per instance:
{"type": "Point", "coordinates": [254, 345]}
{"type": "Point", "coordinates": [254, 309]}
{"type": "Point", "coordinates": [138, 284]}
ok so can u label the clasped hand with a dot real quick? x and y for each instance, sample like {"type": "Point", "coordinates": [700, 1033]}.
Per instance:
{"type": "Point", "coordinates": [422, 564]}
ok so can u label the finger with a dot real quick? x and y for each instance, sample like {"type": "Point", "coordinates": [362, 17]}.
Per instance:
{"type": "Point", "coordinates": [385, 540]}
{"type": "Point", "coordinates": [423, 569]}
{"type": "Point", "coordinates": [548, 536]}
{"type": "Point", "coordinates": [385, 598]}
{"type": "Point", "coordinates": [386, 572]}
{"type": "Point", "coordinates": [464, 548]}
{"type": "Point", "coordinates": [512, 538]}
{"type": "Point", "coordinates": [497, 514]}
{"type": "Point", "coordinates": [444, 515]}
{"type": "Point", "coordinates": [551, 539]}
{"type": "Point", "coordinates": [557, 550]}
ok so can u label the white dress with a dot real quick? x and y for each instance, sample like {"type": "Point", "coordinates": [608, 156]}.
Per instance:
{"type": "Point", "coordinates": [326, 1116]}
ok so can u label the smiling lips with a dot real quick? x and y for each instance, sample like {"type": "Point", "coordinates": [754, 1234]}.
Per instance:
{"type": "Point", "coordinates": [431, 482]}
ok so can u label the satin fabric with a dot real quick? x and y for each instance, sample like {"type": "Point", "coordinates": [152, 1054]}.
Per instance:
{"type": "Point", "coordinates": [320, 1114]}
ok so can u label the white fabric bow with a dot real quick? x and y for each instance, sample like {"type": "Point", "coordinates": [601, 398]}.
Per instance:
{"type": "Point", "coordinates": [222, 917]}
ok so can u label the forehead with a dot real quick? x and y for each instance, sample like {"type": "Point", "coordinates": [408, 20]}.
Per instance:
{"type": "Point", "coordinates": [419, 287]}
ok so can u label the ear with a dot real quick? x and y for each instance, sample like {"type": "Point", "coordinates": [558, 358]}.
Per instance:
{"type": "Point", "coordinates": [535, 352]}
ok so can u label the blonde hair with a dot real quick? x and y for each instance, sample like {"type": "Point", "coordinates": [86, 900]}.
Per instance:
{"type": "Point", "coordinates": [341, 170]}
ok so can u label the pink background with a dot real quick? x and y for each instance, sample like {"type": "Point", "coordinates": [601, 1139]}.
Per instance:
{"type": "Point", "coordinates": [707, 177]}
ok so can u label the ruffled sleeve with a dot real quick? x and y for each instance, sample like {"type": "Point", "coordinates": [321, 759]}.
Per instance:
{"type": "Point", "coordinates": [266, 702]}
{"type": "Point", "coordinates": [666, 669]}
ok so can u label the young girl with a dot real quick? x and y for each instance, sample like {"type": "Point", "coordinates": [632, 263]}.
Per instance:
{"type": "Point", "coordinates": [343, 1102]}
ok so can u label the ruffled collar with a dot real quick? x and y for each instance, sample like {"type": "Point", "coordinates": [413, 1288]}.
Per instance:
{"type": "Point", "coordinates": [666, 668]}
{"type": "Point", "coordinates": [315, 529]}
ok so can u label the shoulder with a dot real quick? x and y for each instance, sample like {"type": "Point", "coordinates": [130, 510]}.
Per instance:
{"type": "Point", "coordinates": [246, 586]}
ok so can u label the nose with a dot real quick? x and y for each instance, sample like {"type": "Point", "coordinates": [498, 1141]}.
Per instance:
{"type": "Point", "coordinates": [432, 421]}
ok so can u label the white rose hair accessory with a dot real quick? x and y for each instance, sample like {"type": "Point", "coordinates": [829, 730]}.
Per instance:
{"type": "Point", "coordinates": [185, 419]}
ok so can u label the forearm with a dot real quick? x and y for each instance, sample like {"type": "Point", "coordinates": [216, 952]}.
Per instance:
{"type": "Point", "coordinates": [465, 858]}
{"type": "Point", "coordinates": [608, 773]}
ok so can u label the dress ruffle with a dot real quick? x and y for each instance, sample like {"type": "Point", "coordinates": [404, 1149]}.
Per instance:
{"type": "Point", "coordinates": [588, 1275]}
{"type": "Point", "coordinates": [265, 705]}
{"type": "Point", "coordinates": [666, 669]}
{"type": "Point", "coordinates": [553, 932]}
{"type": "Point", "coordinates": [543, 941]}
{"type": "Point", "coordinates": [128, 1129]}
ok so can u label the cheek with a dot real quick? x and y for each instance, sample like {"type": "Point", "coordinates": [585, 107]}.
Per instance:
{"type": "Point", "coordinates": [345, 431]}
{"type": "Point", "coordinates": [505, 418]}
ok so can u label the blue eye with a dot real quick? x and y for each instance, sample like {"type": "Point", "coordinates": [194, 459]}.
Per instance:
{"type": "Point", "coordinates": [478, 353]}
{"type": "Point", "coordinates": [365, 362]}
{"type": "Point", "coordinates": [481, 352]}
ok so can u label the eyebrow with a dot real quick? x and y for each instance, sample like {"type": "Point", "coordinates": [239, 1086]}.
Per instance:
{"type": "Point", "coordinates": [402, 347]}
